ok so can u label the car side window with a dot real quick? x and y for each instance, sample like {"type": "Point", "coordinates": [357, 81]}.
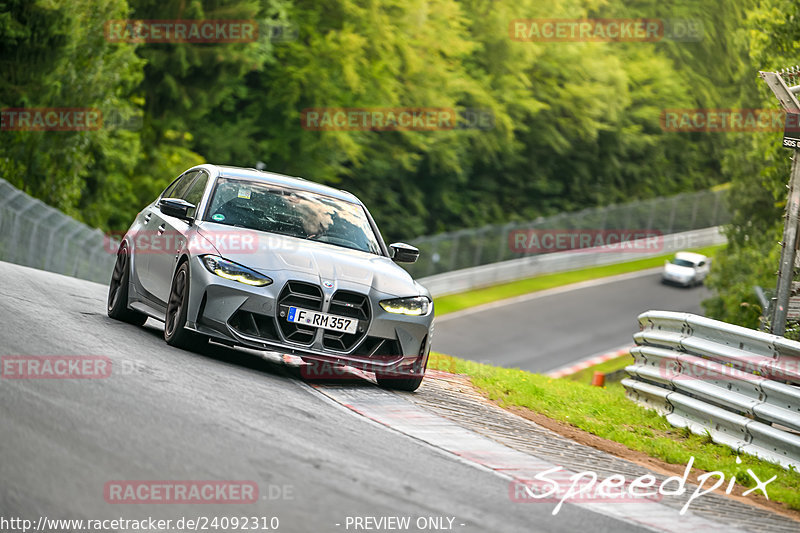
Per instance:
{"type": "Point", "coordinates": [181, 188]}
{"type": "Point", "coordinates": [170, 188]}
{"type": "Point", "coordinates": [194, 194]}
{"type": "Point", "coordinates": [701, 263]}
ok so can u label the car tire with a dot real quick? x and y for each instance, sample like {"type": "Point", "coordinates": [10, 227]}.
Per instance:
{"type": "Point", "coordinates": [175, 332]}
{"type": "Point", "coordinates": [395, 382]}
{"type": "Point", "coordinates": [117, 303]}
{"type": "Point", "coordinates": [403, 382]}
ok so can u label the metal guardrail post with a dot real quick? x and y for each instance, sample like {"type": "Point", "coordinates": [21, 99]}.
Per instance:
{"type": "Point", "coordinates": [18, 253]}
{"type": "Point", "coordinates": [716, 209]}
{"type": "Point", "coordinates": [454, 252]}
{"type": "Point", "coordinates": [694, 212]}
{"type": "Point", "coordinates": [672, 215]}
{"type": "Point", "coordinates": [49, 263]}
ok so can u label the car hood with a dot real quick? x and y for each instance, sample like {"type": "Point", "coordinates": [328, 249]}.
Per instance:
{"type": "Point", "coordinates": [677, 270]}
{"type": "Point", "coordinates": [269, 252]}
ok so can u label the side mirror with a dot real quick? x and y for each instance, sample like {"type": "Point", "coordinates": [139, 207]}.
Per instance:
{"type": "Point", "coordinates": [175, 207]}
{"type": "Point", "coordinates": [404, 253]}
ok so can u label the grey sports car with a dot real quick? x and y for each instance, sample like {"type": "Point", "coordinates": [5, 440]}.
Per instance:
{"type": "Point", "coordinates": [277, 263]}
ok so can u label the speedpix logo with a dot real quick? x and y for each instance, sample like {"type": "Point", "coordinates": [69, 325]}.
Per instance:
{"type": "Point", "coordinates": [556, 485]}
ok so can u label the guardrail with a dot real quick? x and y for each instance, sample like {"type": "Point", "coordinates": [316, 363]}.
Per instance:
{"type": "Point", "coordinates": [735, 384]}
{"type": "Point", "coordinates": [36, 235]}
{"type": "Point", "coordinates": [549, 263]}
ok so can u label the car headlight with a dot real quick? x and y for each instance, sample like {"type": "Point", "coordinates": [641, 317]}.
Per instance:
{"type": "Point", "coordinates": [414, 306]}
{"type": "Point", "coordinates": [235, 272]}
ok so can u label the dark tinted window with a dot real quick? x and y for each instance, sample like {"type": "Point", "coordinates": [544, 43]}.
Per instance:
{"type": "Point", "coordinates": [194, 194]}
{"type": "Point", "coordinates": [182, 187]}
{"type": "Point", "coordinates": [170, 188]}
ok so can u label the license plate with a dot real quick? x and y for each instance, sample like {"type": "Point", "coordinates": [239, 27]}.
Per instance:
{"type": "Point", "coordinates": [322, 320]}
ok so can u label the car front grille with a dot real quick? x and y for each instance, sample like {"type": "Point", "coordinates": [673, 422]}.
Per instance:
{"type": "Point", "coordinates": [350, 305]}
{"type": "Point", "coordinates": [305, 296]}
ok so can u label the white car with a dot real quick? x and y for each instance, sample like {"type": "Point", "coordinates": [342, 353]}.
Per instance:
{"type": "Point", "coordinates": [686, 269]}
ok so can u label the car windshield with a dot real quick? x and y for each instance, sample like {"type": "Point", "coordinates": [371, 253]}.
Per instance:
{"type": "Point", "coordinates": [296, 213]}
{"type": "Point", "coordinates": [682, 263]}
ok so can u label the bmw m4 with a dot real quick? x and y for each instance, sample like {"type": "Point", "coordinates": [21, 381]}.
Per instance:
{"type": "Point", "coordinates": [272, 262]}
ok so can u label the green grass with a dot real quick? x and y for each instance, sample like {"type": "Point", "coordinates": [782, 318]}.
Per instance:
{"type": "Point", "coordinates": [463, 300]}
{"type": "Point", "coordinates": [585, 375]}
{"type": "Point", "coordinates": [607, 413]}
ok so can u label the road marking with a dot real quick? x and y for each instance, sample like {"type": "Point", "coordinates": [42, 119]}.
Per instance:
{"type": "Point", "coordinates": [391, 410]}
{"type": "Point", "coordinates": [589, 361]}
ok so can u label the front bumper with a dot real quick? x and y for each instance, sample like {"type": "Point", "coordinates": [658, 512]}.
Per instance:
{"type": "Point", "coordinates": [254, 317]}
{"type": "Point", "coordinates": [677, 280]}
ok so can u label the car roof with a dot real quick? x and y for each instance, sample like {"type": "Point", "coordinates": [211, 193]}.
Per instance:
{"type": "Point", "coordinates": [690, 256]}
{"type": "Point", "coordinates": [281, 180]}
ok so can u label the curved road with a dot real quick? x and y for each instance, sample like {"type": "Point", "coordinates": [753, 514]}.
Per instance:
{"type": "Point", "coordinates": [167, 414]}
{"type": "Point", "coordinates": [551, 329]}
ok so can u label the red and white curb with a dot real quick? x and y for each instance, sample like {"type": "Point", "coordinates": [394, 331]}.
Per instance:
{"type": "Point", "coordinates": [586, 363]}
{"type": "Point", "coordinates": [393, 411]}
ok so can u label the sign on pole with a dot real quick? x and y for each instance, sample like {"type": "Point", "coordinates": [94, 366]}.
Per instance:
{"type": "Point", "coordinates": [791, 139]}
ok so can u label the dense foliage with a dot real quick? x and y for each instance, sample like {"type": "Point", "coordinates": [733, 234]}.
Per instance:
{"type": "Point", "coordinates": [758, 167]}
{"type": "Point", "coordinates": [575, 124]}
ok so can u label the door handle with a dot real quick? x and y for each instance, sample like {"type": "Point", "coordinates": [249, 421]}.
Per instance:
{"type": "Point", "coordinates": [147, 217]}
{"type": "Point", "coordinates": [161, 229]}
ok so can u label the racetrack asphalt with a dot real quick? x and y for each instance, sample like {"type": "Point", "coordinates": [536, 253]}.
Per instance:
{"type": "Point", "coordinates": [223, 414]}
{"type": "Point", "coordinates": [544, 331]}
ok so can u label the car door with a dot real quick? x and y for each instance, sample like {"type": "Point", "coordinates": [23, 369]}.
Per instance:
{"type": "Point", "coordinates": [702, 269]}
{"type": "Point", "coordinates": [173, 233]}
{"type": "Point", "coordinates": [147, 236]}
{"type": "Point", "coordinates": [152, 239]}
